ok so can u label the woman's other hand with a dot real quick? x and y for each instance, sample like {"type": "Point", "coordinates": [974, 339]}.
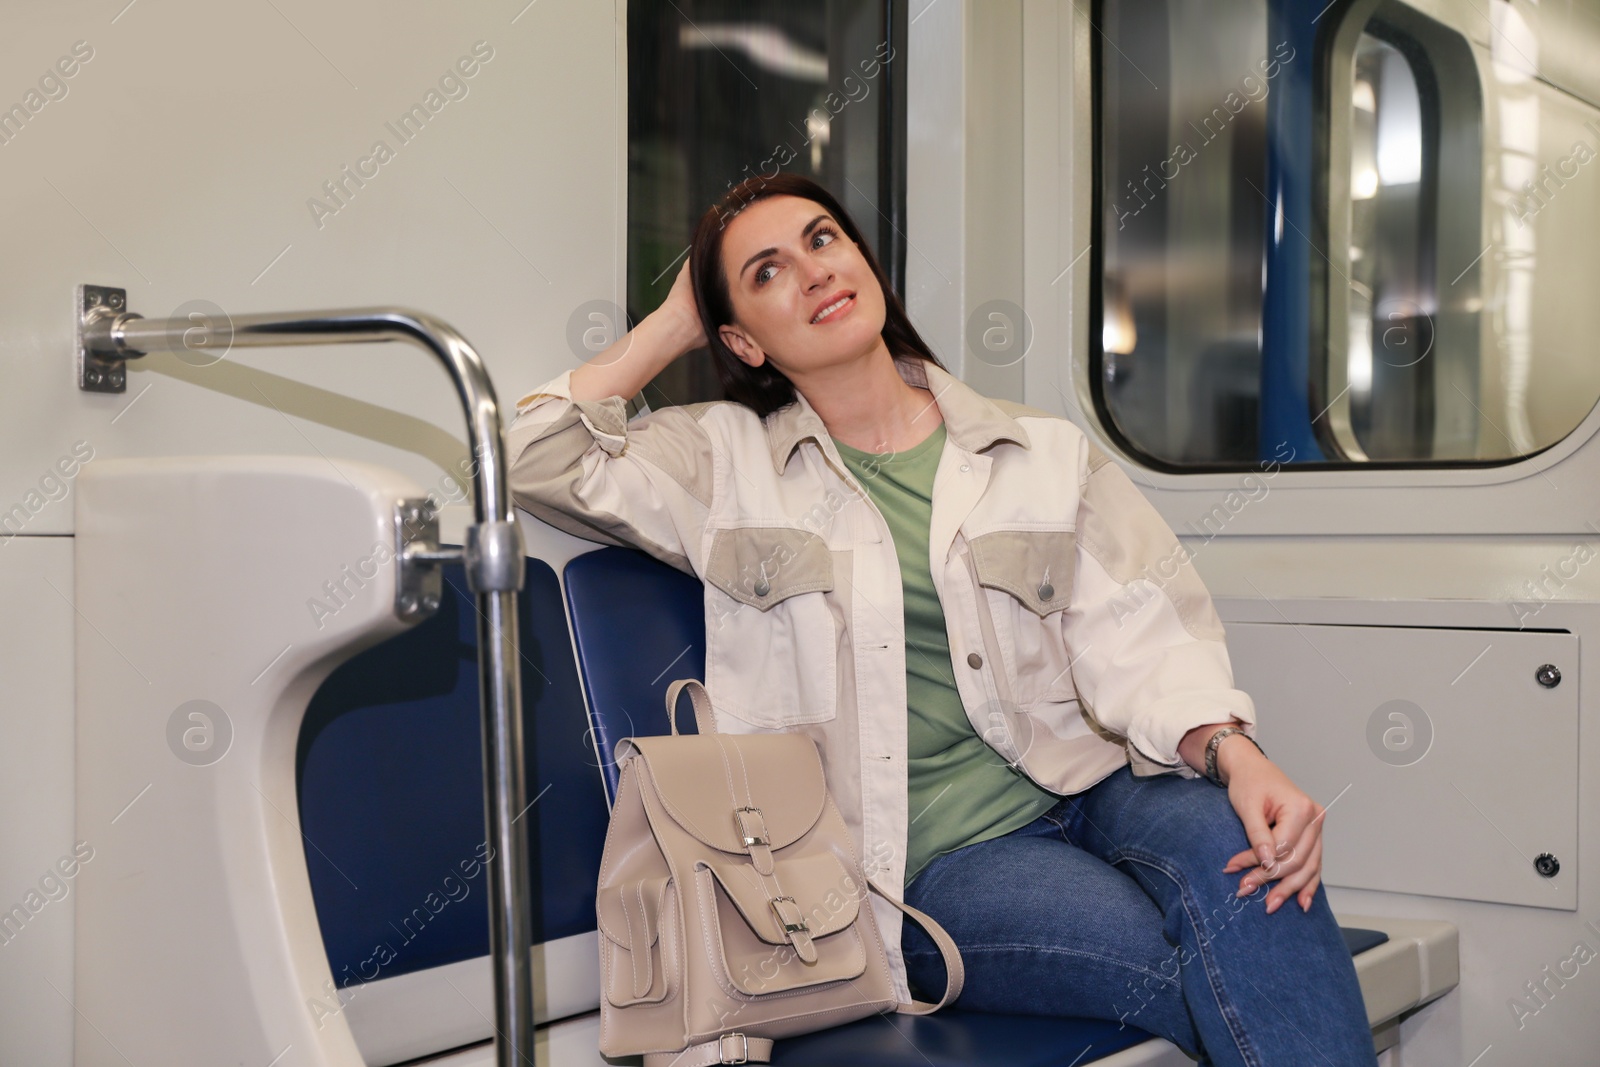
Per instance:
{"type": "Point", "coordinates": [1284, 826]}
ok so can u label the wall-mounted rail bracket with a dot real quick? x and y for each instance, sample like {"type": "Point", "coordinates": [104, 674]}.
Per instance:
{"type": "Point", "coordinates": [100, 310]}
{"type": "Point", "coordinates": [418, 557]}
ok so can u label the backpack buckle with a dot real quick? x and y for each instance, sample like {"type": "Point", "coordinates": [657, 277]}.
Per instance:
{"type": "Point", "coordinates": [792, 923]}
{"type": "Point", "coordinates": [743, 1053]}
{"type": "Point", "coordinates": [758, 825]}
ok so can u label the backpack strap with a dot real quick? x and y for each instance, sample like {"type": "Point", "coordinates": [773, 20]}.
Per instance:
{"type": "Point", "coordinates": [955, 971]}
{"type": "Point", "coordinates": [704, 721]}
{"type": "Point", "coordinates": [729, 1048]}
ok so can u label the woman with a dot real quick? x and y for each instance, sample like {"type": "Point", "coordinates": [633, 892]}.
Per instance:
{"type": "Point", "coordinates": [875, 536]}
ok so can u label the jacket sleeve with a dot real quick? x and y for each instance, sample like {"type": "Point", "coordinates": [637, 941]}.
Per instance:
{"type": "Point", "coordinates": [1147, 647]}
{"type": "Point", "coordinates": [582, 467]}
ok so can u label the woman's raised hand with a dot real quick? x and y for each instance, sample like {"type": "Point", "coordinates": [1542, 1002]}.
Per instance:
{"type": "Point", "coordinates": [629, 363]}
{"type": "Point", "coordinates": [680, 310]}
{"type": "Point", "coordinates": [1284, 826]}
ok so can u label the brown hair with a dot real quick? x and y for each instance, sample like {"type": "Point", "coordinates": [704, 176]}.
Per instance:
{"type": "Point", "coordinates": [765, 389]}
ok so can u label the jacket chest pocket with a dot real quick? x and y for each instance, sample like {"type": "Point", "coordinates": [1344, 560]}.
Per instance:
{"type": "Point", "coordinates": [771, 640]}
{"type": "Point", "coordinates": [1025, 579]}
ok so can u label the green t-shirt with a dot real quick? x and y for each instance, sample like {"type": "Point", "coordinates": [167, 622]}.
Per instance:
{"type": "Point", "coordinates": [961, 791]}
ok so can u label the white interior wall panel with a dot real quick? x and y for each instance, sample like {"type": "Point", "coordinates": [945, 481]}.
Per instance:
{"type": "Point", "coordinates": [183, 160]}
{"type": "Point", "coordinates": [38, 865]}
{"type": "Point", "coordinates": [1451, 768]}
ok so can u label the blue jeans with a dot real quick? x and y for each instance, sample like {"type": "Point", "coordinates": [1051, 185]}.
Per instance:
{"type": "Point", "coordinates": [1113, 905]}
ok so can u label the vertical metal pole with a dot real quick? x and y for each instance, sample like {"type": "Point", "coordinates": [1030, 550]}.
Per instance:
{"type": "Point", "coordinates": [510, 936]}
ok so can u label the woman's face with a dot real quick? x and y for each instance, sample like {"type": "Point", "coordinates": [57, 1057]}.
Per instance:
{"type": "Point", "coordinates": [803, 295]}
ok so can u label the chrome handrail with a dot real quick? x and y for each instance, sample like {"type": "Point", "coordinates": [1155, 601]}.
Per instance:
{"type": "Point", "coordinates": [108, 334]}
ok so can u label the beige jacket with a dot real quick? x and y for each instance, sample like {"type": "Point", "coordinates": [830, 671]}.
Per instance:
{"type": "Point", "coordinates": [1080, 636]}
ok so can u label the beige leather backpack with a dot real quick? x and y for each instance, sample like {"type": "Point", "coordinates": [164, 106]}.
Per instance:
{"type": "Point", "coordinates": [732, 906]}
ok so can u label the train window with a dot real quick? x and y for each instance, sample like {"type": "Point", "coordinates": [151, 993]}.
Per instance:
{"type": "Point", "coordinates": [720, 90]}
{"type": "Point", "coordinates": [1182, 139]}
{"type": "Point", "coordinates": [1301, 258]}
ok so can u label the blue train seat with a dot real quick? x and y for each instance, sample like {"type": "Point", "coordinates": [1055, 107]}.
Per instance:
{"type": "Point", "coordinates": [639, 624]}
{"type": "Point", "coordinates": [390, 771]}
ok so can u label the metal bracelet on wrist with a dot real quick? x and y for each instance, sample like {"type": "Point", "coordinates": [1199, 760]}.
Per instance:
{"type": "Point", "coordinates": [1211, 751]}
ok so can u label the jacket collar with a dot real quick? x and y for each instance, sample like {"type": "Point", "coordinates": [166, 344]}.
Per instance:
{"type": "Point", "coordinates": [972, 421]}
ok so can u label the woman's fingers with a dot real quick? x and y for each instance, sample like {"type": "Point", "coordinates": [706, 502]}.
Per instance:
{"type": "Point", "coordinates": [1240, 861]}
{"type": "Point", "coordinates": [1296, 814]}
{"type": "Point", "coordinates": [1296, 881]}
{"type": "Point", "coordinates": [1308, 893]}
{"type": "Point", "coordinates": [1293, 873]}
{"type": "Point", "coordinates": [1252, 806]}
{"type": "Point", "coordinates": [1284, 827]}
{"type": "Point", "coordinates": [1261, 875]}
{"type": "Point", "coordinates": [681, 302]}
{"type": "Point", "coordinates": [1305, 852]}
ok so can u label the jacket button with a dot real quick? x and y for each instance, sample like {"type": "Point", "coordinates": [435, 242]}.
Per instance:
{"type": "Point", "coordinates": [974, 660]}
{"type": "Point", "coordinates": [1046, 591]}
{"type": "Point", "coordinates": [762, 588]}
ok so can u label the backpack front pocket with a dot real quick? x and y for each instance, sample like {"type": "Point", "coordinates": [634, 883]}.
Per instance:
{"type": "Point", "coordinates": [764, 942]}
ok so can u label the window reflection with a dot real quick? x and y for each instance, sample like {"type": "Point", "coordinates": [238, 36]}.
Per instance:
{"type": "Point", "coordinates": [720, 90]}
{"type": "Point", "coordinates": [1542, 378]}
{"type": "Point", "coordinates": [1391, 303]}
{"type": "Point", "coordinates": [1516, 51]}
{"type": "Point", "coordinates": [1182, 140]}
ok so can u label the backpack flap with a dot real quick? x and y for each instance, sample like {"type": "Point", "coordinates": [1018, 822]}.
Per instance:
{"type": "Point", "coordinates": [748, 795]}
